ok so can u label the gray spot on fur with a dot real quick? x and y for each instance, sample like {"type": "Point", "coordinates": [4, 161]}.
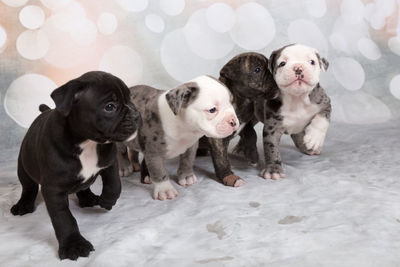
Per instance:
{"type": "Point", "coordinates": [226, 258]}
{"type": "Point", "coordinates": [217, 228]}
{"type": "Point", "coordinates": [291, 219]}
{"type": "Point", "coordinates": [254, 204]}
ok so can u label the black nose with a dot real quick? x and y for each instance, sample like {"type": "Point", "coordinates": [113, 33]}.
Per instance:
{"type": "Point", "coordinates": [232, 123]}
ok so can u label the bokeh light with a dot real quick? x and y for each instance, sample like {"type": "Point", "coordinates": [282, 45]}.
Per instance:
{"type": "Point", "coordinates": [31, 17]}
{"type": "Point", "coordinates": [123, 62]}
{"type": "Point", "coordinates": [203, 40]}
{"type": "Point", "coordinates": [348, 72]}
{"type": "Point", "coordinates": [32, 44]}
{"type": "Point", "coordinates": [25, 94]}
{"type": "Point", "coordinates": [254, 28]}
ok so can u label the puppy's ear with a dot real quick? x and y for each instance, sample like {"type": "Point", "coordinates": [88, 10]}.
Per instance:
{"type": "Point", "coordinates": [272, 60]}
{"type": "Point", "coordinates": [64, 96]}
{"type": "Point", "coordinates": [323, 63]}
{"type": "Point", "coordinates": [180, 97]}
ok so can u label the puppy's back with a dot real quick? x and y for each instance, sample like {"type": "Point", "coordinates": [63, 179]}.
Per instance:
{"type": "Point", "coordinates": [143, 96]}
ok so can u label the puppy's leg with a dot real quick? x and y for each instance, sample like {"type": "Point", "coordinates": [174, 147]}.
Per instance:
{"type": "Point", "coordinates": [273, 165]}
{"type": "Point", "coordinates": [134, 158]}
{"type": "Point", "coordinates": [222, 166]}
{"type": "Point", "coordinates": [144, 173]}
{"type": "Point", "coordinates": [204, 147]}
{"type": "Point", "coordinates": [125, 166]}
{"type": "Point", "coordinates": [71, 243]}
{"type": "Point", "coordinates": [247, 145]}
{"type": "Point", "coordinates": [26, 204]}
{"type": "Point", "coordinates": [111, 187]}
{"type": "Point", "coordinates": [315, 134]}
{"type": "Point", "coordinates": [87, 198]}
{"type": "Point", "coordinates": [163, 188]}
{"type": "Point", "coordinates": [185, 172]}
{"type": "Point", "coordinates": [298, 140]}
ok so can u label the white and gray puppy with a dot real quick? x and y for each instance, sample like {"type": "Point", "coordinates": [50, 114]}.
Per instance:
{"type": "Point", "coordinates": [173, 122]}
{"type": "Point", "coordinates": [302, 110]}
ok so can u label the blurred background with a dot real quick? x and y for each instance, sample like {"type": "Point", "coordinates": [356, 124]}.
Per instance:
{"type": "Point", "coordinates": [162, 43]}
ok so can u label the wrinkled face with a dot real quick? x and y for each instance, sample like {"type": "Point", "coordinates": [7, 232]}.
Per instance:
{"type": "Point", "coordinates": [101, 109]}
{"type": "Point", "coordinates": [247, 75]}
{"type": "Point", "coordinates": [211, 112]}
{"type": "Point", "coordinates": [297, 69]}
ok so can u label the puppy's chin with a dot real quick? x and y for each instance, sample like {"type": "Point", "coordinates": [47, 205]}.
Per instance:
{"type": "Point", "coordinates": [297, 88]}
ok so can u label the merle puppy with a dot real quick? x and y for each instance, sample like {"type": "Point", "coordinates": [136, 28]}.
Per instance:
{"type": "Point", "coordinates": [66, 148]}
{"type": "Point", "coordinates": [248, 79]}
{"type": "Point", "coordinates": [302, 109]}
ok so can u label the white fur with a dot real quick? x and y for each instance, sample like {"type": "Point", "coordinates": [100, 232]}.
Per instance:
{"type": "Point", "coordinates": [89, 160]}
{"type": "Point", "coordinates": [184, 130]}
{"type": "Point", "coordinates": [133, 136]}
{"type": "Point", "coordinates": [164, 190]}
{"type": "Point", "coordinates": [297, 56]}
{"type": "Point", "coordinates": [315, 133]}
{"type": "Point", "coordinates": [297, 112]}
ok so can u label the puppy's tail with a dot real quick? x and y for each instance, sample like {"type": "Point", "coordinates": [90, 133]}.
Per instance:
{"type": "Point", "coordinates": [43, 107]}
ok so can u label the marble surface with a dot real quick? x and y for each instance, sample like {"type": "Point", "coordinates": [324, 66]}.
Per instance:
{"type": "Point", "coordinates": [338, 209]}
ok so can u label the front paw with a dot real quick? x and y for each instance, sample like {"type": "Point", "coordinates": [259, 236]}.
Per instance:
{"type": "Point", "coordinates": [22, 208]}
{"type": "Point", "coordinates": [272, 171]}
{"type": "Point", "coordinates": [106, 204]}
{"type": "Point", "coordinates": [190, 179]}
{"type": "Point", "coordinates": [313, 140]}
{"type": "Point", "coordinates": [164, 190]}
{"type": "Point", "coordinates": [75, 246]}
{"type": "Point", "coordinates": [125, 170]}
{"type": "Point", "coordinates": [89, 201]}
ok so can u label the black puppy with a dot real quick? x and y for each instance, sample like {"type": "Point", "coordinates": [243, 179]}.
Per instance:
{"type": "Point", "coordinates": [248, 78]}
{"type": "Point", "coordinates": [66, 148]}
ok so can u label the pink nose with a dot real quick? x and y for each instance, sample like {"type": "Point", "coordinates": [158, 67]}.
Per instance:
{"type": "Point", "coordinates": [298, 68]}
{"type": "Point", "coordinates": [231, 120]}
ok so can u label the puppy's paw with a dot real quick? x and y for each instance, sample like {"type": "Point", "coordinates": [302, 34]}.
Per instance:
{"type": "Point", "coordinates": [75, 246]}
{"type": "Point", "coordinates": [233, 180]}
{"type": "Point", "coordinates": [125, 170]}
{"type": "Point", "coordinates": [22, 208]}
{"type": "Point", "coordinates": [272, 171]}
{"type": "Point", "coordinates": [106, 204]}
{"type": "Point", "coordinates": [135, 167]}
{"type": "Point", "coordinates": [313, 140]}
{"type": "Point", "coordinates": [187, 180]}
{"type": "Point", "coordinates": [88, 201]}
{"type": "Point", "coordinates": [146, 180]}
{"type": "Point", "coordinates": [164, 190]}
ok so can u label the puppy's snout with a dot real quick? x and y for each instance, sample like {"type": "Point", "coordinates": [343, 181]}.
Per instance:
{"type": "Point", "coordinates": [231, 120]}
{"type": "Point", "coordinates": [298, 69]}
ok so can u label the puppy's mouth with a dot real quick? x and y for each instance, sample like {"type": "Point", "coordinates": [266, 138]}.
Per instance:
{"type": "Point", "coordinates": [297, 82]}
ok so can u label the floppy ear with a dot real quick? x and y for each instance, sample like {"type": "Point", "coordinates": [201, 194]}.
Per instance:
{"type": "Point", "coordinates": [231, 69]}
{"type": "Point", "coordinates": [272, 60]}
{"type": "Point", "coordinates": [64, 96]}
{"type": "Point", "coordinates": [323, 63]}
{"type": "Point", "coordinates": [181, 96]}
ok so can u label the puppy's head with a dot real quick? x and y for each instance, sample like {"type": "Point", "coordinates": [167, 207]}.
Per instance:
{"type": "Point", "coordinates": [296, 68]}
{"type": "Point", "coordinates": [205, 105]}
{"type": "Point", "coordinates": [247, 76]}
{"type": "Point", "coordinates": [97, 106]}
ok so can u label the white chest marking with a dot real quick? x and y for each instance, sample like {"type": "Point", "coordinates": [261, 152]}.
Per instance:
{"type": "Point", "coordinates": [89, 160]}
{"type": "Point", "coordinates": [176, 147]}
{"type": "Point", "coordinates": [297, 112]}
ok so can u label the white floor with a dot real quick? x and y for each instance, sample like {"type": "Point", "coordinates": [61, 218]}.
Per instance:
{"type": "Point", "coordinates": [338, 209]}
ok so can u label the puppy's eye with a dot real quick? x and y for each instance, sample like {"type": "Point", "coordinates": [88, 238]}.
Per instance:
{"type": "Point", "coordinates": [283, 63]}
{"type": "Point", "coordinates": [312, 62]}
{"type": "Point", "coordinates": [257, 70]}
{"type": "Point", "coordinates": [213, 110]}
{"type": "Point", "coordinates": [110, 107]}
